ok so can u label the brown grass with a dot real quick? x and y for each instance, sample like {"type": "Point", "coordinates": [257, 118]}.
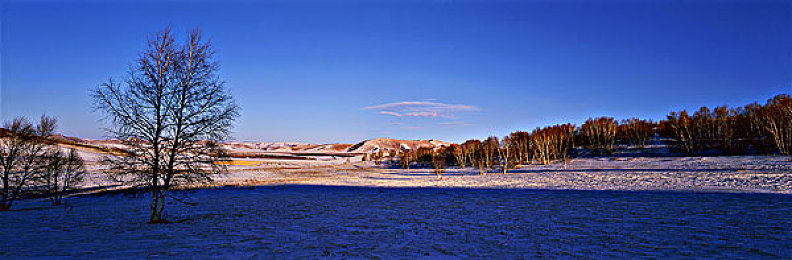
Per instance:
{"type": "Point", "coordinates": [238, 163]}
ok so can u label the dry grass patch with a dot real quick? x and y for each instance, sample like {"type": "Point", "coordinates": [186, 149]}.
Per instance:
{"type": "Point", "coordinates": [238, 163]}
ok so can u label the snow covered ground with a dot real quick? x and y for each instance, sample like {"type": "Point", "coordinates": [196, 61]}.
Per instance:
{"type": "Point", "coordinates": [354, 222]}
{"type": "Point", "coordinates": [345, 208]}
{"type": "Point", "coordinates": [755, 174]}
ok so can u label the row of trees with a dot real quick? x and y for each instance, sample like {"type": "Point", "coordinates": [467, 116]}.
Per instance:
{"type": "Point", "coordinates": [774, 119]}
{"type": "Point", "coordinates": [751, 129]}
{"type": "Point", "coordinates": [32, 165]}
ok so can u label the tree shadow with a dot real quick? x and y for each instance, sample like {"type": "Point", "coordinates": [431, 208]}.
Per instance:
{"type": "Point", "coordinates": [622, 170]}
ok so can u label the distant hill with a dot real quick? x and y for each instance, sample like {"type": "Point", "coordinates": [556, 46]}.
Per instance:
{"type": "Point", "coordinates": [285, 147]}
{"type": "Point", "coordinates": [247, 148]}
{"type": "Point", "coordinates": [388, 144]}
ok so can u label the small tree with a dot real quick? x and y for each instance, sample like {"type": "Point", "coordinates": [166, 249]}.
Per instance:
{"type": "Point", "coordinates": [680, 128]}
{"type": "Point", "coordinates": [489, 150]}
{"type": "Point", "coordinates": [62, 172]}
{"type": "Point", "coordinates": [522, 144]}
{"type": "Point", "coordinates": [459, 154]}
{"type": "Point", "coordinates": [405, 158]}
{"type": "Point", "coordinates": [471, 149]}
{"type": "Point", "coordinates": [171, 112]}
{"type": "Point", "coordinates": [21, 151]}
{"type": "Point", "coordinates": [599, 134]}
{"type": "Point", "coordinates": [704, 128]}
{"type": "Point", "coordinates": [636, 132]}
{"type": "Point", "coordinates": [729, 130]}
{"type": "Point", "coordinates": [775, 119]}
{"type": "Point", "coordinates": [439, 162]}
{"type": "Point", "coordinates": [566, 142]}
{"type": "Point", "coordinates": [377, 157]}
{"type": "Point", "coordinates": [392, 157]}
{"type": "Point", "coordinates": [423, 156]}
{"type": "Point", "coordinates": [553, 143]}
{"type": "Point", "coordinates": [505, 151]}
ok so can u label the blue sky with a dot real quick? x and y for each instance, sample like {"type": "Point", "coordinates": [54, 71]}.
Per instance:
{"type": "Point", "coordinates": [449, 70]}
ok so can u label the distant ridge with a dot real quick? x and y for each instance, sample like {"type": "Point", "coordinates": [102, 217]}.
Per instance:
{"type": "Point", "coordinates": [389, 144]}
{"type": "Point", "coordinates": [385, 145]}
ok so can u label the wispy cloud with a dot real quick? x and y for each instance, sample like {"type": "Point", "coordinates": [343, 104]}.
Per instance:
{"type": "Point", "coordinates": [421, 109]}
{"type": "Point", "coordinates": [453, 124]}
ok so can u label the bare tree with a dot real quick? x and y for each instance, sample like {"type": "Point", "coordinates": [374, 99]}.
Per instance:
{"type": "Point", "coordinates": [61, 173]}
{"type": "Point", "coordinates": [171, 111]}
{"type": "Point", "coordinates": [553, 143]}
{"type": "Point", "coordinates": [392, 157]}
{"type": "Point", "coordinates": [505, 151]}
{"type": "Point", "coordinates": [459, 154]}
{"type": "Point", "coordinates": [202, 112]}
{"type": "Point", "coordinates": [377, 157]}
{"type": "Point", "coordinates": [635, 131]}
{"type": "Point", "coordinates": [21, 151]}
{"type": "Point", "coordinates": [470, 148]}
{"type": "Point", "coordinates": [522, 145]}
{"type": "Point", "coordinates": [751, 130]}
{"type": "Point", "coordinates": [704, 128]}
{"type": "Point", "coordinates": [726, 129]}
{"type": "Point", "coordinates": [405, 158]}
{"type": "Point", "coordinates": [566, 142]}
{"type": "Point", "coordinates": [679, 127]}
{"type": "Point", "coordinates": [439, 162]}
{"type": "Point", "coordinates": [489, 150]}
{"type": "Point", "coordinates": [775, 118]}
{"type": "Point", "coordinates": [599, 134]}
{"type": "Point", "coordinates": [541, 145]}
{"type": "Point", "coordinates": [423, 156]}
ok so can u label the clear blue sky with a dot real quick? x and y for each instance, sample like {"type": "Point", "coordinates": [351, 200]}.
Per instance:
{"type": "Point", "coordinates": [450, 70]}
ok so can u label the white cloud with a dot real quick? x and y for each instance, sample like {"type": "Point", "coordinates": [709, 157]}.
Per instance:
{"type": "Point", "coordinates": [421, 109]}
{"type": "Point", "coordinates": [453, 124]}
{"type": "Point", "coordinates": [390, 113]}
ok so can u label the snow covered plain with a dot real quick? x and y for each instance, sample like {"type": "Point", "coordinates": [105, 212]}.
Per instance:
{"type": "Point", "coordinates": [754, 174]}
{"type": "Point", "coordinates": [600, 207]}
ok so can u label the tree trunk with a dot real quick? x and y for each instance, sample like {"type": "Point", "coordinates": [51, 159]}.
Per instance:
{"type": "Point", "coordinates": [161, 208]}
{"type": "Point", "coordinates": [5, 205]}
{"type": "Point", "coordinates": [158, 207]}
{"type": "Point", "coordinates": [155, 216]}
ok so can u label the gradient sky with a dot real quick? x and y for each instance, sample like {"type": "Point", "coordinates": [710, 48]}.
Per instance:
{"type": "Point", "coordinates": [449, 70]}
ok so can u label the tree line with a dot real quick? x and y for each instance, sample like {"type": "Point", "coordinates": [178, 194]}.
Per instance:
{"type": "Point", "coordinates": [751, 129]}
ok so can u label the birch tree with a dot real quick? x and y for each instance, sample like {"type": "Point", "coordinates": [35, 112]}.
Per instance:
{"type": "Point", "coordinates": [22, 147]}
{"type": "Point", "coordinates": [505, 151]}
{"type": "Point", "coordinates": [62, 171]}
{"type": "Point", "coordinates": [775, 119]}
{"type": "Point", "coordinates": [171, 111]}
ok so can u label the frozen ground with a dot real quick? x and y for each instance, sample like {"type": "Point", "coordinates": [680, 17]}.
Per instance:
{"type": "Point", "coordinates": [352, 222]}
{"type": "Point", "coordinates": [754, 174]}
{"type": "Point", "coordinates": [601, 207]}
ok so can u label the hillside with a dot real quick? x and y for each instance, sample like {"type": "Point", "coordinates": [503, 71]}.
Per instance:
{"type": "Point", "coordinates": [250, 149]}
{"type": "Point", "coordinates": [387, 145]}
